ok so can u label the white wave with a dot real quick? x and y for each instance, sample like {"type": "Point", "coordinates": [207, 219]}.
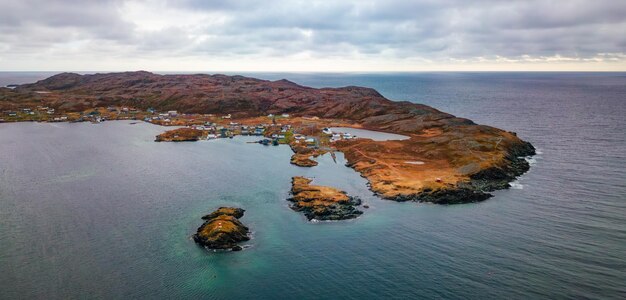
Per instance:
{"type": "Point", "coordinates": [532, 160]}
{"type": "Point", "coordinates": [516, 185]}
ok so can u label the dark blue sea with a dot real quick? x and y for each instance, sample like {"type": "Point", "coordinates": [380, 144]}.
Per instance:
{"type": "Point", "coordinates": [102, 212]}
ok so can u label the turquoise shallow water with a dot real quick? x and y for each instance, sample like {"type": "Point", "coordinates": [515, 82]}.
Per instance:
{"type": "Point", "coordinates": [101, 211]}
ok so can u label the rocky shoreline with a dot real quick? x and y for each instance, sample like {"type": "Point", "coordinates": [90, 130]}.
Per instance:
{"type": "Point", "coordinates": [479, 185]}
{"type": "Point", "coordinates": [440, 165]}
{"type": "Point", "coordinates": [446, 160]}
{"type": "Point", "coordinates": [321, 202]}
{"type": "Point", "coordinates": [222, 230]}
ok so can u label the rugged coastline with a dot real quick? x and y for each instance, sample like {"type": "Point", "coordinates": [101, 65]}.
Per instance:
{"type": "Point", "coordinates": [446, 160]}
{"type": "Point", "coordinates": [462, 170]}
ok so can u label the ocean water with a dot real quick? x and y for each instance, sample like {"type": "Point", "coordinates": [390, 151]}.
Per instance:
{"type": "Point", "coordinates": [103, 212]}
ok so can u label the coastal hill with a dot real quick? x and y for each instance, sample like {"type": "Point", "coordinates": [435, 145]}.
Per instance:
{"type": "Point", "coordinates": [446, 159]}
{"type": "Point", "coordinates": [237, 95]}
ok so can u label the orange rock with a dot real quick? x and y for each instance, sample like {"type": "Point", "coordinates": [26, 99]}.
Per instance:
{"type": "Point", "coordinates": [222, 229]}
{"type": "Point", "coordinates": [180, 135]}
{"type": "Point", "coordinates": [322, 202]}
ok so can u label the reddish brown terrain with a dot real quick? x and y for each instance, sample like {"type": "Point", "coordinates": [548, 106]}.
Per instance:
{"type": "Point", "coordinates": [180, 135]}
{"type": "Point", "coordinates": [449, 165]}
{"type": "Point", "coordinates": [302, 156]}
{"type": "Point", "coordinates": [222, 229]}
{"type": "Point", "coordinates": [221, 94]}
{"type": "Point", "coordinates": [322, 202]}
{"type": "Point", "coordinates": [446, 160]}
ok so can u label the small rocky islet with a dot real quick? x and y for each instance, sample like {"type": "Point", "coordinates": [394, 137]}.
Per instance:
{"type": "Point", "coordinates": [302, 156]}
{"type": "Point", "coordinates": [321, 202]}
{"type": "Point", "coordinates": [180, 135]}
{"type": "Point", "coordinates": [222, 230]}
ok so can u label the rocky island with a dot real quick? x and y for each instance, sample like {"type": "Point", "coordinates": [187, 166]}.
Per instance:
{"type": "Point", "coordinates": [445, 160]}
{"type": "Point", "coordinates": [302, 156]}
{"type": "Point", "coordinates": [222, 230]}
{"type": "Point", "coordinates": [180, 135]}
{"type": "Point", "coordinates": [322, 202]}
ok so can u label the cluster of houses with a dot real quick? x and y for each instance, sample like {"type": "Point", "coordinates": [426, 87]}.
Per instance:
{"type": "Point", "coordinates": [283, 116]}
{"type": "Point", "coordinates": [307, 140]}
{"type": "Point", "coordinates": [165, 117]}
{"type": "Point", "coordinates": [274, 132]}
{"type": "Point", "coordinates": [10, 113]}
{"type": "Point", "coordinates": [278, 132]}
{"type": "Point", "coordinates": [336, 136]}
{"type": "Point", "coordinates": [93, 116]}
{"type": "Point", "coordinates": [126, 110]}
{"type": "Point", "coordinates": [223, 131]}
{"type": "Point", "coordinates": [59, 119]}
{"type": "Point", "coordinates": [29, 112]}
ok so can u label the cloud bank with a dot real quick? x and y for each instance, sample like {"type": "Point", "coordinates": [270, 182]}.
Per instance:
{"type": "Point", "coordinates": [357, 35]}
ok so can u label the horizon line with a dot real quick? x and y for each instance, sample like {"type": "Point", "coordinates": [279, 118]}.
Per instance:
{"type": "Point", "coordinates": [310, 72]}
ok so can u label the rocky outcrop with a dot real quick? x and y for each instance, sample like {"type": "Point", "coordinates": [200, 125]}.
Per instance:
{"type": "Point", "coordinates": [301, 160]}
{"type": "Point", "coordinates": [302, 155]}
{"type": "Point", "coordinates": [448, 166]}
{"type": "Point", "coordinates": [180, 135]}
{"type": "Point", "coordinates": [321, 202]}
{"type": "Point", "coordinates": [222, 229]}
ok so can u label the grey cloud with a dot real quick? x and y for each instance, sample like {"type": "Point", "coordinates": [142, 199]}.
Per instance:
{"type": "Point", "coordinates": [52, 22]}
{"type": "Point", "coordinates": [217, 5]}
{"type": "Point", "coordinates": [427, 29]}
{"type": "Point", "coordinates": [441, 28]}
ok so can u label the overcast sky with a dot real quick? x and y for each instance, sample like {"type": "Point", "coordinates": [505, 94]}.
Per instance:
{"type": "Point", "coordinates": [337, 35]}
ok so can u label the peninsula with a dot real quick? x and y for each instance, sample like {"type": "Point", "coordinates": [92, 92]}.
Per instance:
{"type": "Point", "coordinates": [445, 160]}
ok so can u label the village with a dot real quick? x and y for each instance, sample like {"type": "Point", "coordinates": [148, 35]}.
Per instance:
{"type": "Point", "coordinates": [278, 129]}
{"type": "Point", "coordinates": [274, 133]}
{"type": "Point", "coordinates": [273, 130]}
